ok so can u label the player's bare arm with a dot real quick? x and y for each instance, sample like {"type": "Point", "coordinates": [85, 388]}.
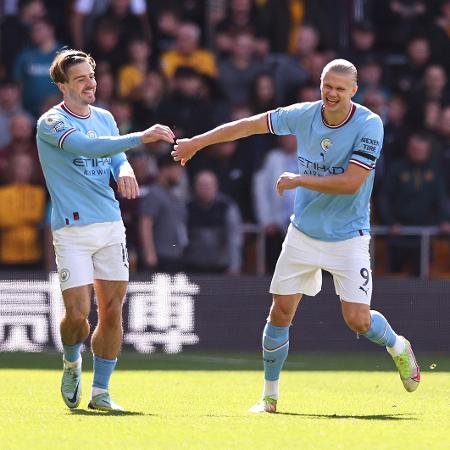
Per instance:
{"type": "Point", "coordinates": [347, 183]}
{"type": "Point", "coordinates": [185, 149]}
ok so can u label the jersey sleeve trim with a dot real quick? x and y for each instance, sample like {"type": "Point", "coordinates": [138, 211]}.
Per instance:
{"type": "Point", "coordinates": [359, 163]}
{"type": "Point", "coordinates": [269, 123]}
{"type": "Point", "coordinates": [365, 155]}
{"type": "Point", "coordinates": [63, 137]}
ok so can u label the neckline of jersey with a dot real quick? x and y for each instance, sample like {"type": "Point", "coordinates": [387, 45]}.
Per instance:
{"type": "Point", "coordinates": [346, 120]}
{"type": "Point", "coordinates": [65, 108]}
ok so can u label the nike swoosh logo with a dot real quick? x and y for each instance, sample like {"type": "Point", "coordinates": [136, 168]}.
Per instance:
{"type": "Point", "coordinates": [74, 398]}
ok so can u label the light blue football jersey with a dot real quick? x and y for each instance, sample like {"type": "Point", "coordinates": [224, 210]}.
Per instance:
{"type": "Point", "coordinates": [324, 150]}
{"type": "Point", "coordinates": [78, 155]}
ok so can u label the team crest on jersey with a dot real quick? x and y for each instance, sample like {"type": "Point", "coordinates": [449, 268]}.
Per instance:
{"type": "Point", "coordinates": [92, 134]}
{"type": "Point", "coordinates": [64, 275]}
{"type": "Point", "coordinates": [326, 144]}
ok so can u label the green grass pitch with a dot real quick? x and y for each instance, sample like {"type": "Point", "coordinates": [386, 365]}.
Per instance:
{"type": "Point", "coordinates": [200, 401]}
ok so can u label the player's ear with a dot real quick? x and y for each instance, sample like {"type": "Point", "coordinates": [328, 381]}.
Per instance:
{"type": "Point", "coordinates": [61, 87]}
{"type": "Point", "coordinates": [355, 89]}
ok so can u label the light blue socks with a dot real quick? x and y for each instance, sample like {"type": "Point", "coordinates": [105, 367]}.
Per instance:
{"type": "Point", "coordinates": [72, 352]}
{"type": "Point", "coordinates": [275, 350]}
{"type": "Point", "coordinates": [380, 331]}
{"type": "Point", "coordinates": [103, 368]}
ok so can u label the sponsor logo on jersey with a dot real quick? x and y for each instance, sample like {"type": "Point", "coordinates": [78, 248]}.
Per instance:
{"type": "Point", "coordinates": [308, 167]}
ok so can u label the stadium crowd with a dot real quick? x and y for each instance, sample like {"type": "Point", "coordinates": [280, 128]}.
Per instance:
{"type": "Point", "coordinates": [194, 64]}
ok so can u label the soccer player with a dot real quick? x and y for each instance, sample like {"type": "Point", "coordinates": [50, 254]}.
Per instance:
{"type": "Point", "coordinates": [338, 144]}
{"type": "Point", "coordinates": [79, 147]}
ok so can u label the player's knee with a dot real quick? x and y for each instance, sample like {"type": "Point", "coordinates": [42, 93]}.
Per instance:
{"type": "Point", "coordinates": [112, 318]}
{"type": "Point", "coordinates": [359, 323]}
{"type": "Point", "coordinates": [76, 318]}
{"type": "Point", "coordinates": [280, 316]}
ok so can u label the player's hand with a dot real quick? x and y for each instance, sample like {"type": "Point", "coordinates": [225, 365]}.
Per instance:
{"type": "Point", "coordinates": [156, 133]}
{"type": "Point", "coordinates": [184, 150]}
{"type": "Point", "coordinates": [127, 185]}
{"type": "Point", "coordinates": [287, 180]}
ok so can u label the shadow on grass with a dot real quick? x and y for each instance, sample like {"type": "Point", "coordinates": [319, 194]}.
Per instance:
{"type": "Point", "coordinates": [392, 417]}
{"type": "Point", "coordinates": [88, 412]}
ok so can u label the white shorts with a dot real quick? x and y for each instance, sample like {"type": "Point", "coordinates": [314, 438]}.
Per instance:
{"type": "Point", "coordinates": [299, 267]}
{"type": "Point", "coordinates": [88, 252]}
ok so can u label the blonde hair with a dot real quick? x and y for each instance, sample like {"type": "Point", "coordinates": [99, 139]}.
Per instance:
{"type": "Point", "coordinates": [340, 66]}
{"type": "Point", "coordinates": [65, 59]}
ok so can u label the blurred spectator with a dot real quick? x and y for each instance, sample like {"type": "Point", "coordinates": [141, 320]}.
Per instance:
{"type": "Point", "coordinates": [413, 193]}
{"type": "Point", "coordinates": [308, 92]}
{"type": "Point", "coordinates": [49, 101]}
{"type": "Point", "coordinates": [314, 65]}
{"type": "Point", "coordinates": [141, 163]}
{"type": "Point", "coordinates": [407, 76]}
{"type": "Point", "coordinates": [431, 115]}
{"type": "Point", "coordinates": [22, 142]}
{"type": "Point", "coordinates": [290, 71]}
{"type": "Point", "coordinates": [187, 53]}
{"type": "Point", "coordinates": [15, 30]}
{"type": "Point", "coordinates": [406, 18]}
{"type": "Point", "coordinates": [375, 99]}
{"type": "Point", "coordinates": [306, 42]}
{"type": "Point", "coordinates": [233, 168]}
{"type": "Point", "coordinates": [10, 105]}
{"type": "Point", "coordinates": [167, 22]}
{"type": "Point", "coordinates": [163, 218]}
{"type": "Point", "coordinates": [32, 66]}
{"type": "Point", "coordinates": [22, 209]}
{"type": "Point", "coordinates": [433, 87]}
{"type": "Point", "coordinates": [122, 113]}
{"type": "Point", "coordinates": [241, 17]}
{"type": "Point", "coordinates": [370, 76]}
{"type": "Point", "coordinates": [237, 72]}
{"type": "Point", "coordinates": [272, 211]}
{"type": "Point", "coordinates": [106, 49]}
{"type": "Point", "coordinates": [262, 93]}
{"type": "Point", "coordinates": [150, 94]}
{"type": "Point", "coordinates": [362, 43]}
{"type": "Point", "coordinates": [395, 130]}
{"type": "Point", "coordinates": [132, 74]}
{"type": "Point", "coordinates": [127, 16]}
{"type": "Point", "coordinates": [184, 106]}
{"type": "Point", "coordinates": [215, 239]}
{"type": "Point", "coordinates": [106, 88]}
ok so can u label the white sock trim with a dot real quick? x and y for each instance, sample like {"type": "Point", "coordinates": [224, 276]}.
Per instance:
{"type": "Point", "coordinates": [97, 391]}
{"type": "Point", "coordinates": [271, 389]}
{"type": "Point", "coordinates": [73, 365]}
{"type": "Point", "coordinates": [397, 348]}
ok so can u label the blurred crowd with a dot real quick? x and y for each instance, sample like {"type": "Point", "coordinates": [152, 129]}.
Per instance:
{"type": "Point", "coordinates": [194, 64]}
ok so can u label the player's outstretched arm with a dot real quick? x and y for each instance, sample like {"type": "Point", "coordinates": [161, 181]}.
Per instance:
{"type": "Point", "coordinates": [347, 183]}
{"type": "Point", "coordinates": [185, 149]}
{"type": "Point", "coordinates": [60, 133]}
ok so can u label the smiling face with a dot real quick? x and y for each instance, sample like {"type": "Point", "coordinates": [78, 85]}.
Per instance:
{"type": "Point", "coordinates": [337, 90]}
{"type": "Point", "coordinates": [80, 87]}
